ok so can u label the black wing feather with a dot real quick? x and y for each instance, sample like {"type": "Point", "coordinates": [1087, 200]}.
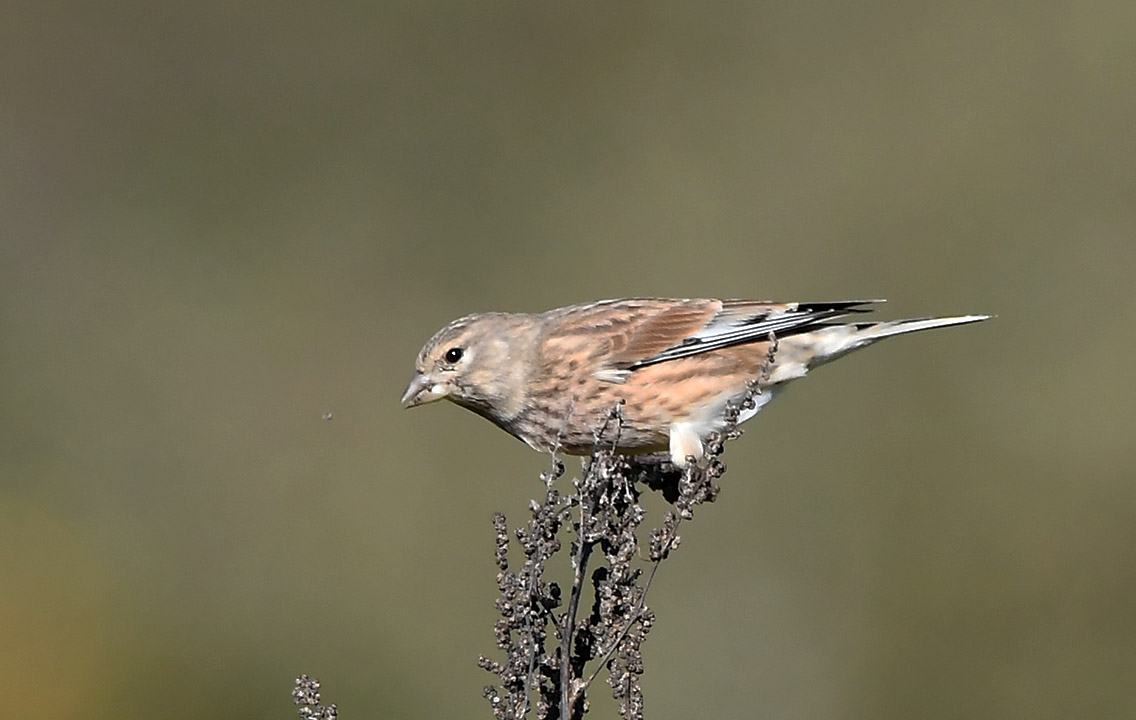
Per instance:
{"type": "Point", "coordinates": [757, 327]}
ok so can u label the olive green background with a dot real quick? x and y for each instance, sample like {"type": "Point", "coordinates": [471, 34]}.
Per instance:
{"type": "Point", "coordinates": [221, 221]}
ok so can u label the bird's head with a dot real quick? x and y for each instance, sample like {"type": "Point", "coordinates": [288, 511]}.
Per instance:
{"type": "Point", "coordinates": [481, 362]}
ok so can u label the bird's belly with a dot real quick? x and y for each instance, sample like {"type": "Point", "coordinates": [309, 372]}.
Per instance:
{"type": "Point", "coordinates": [635, 416]}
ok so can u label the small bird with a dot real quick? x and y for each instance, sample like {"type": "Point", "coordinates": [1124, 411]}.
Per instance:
{"type": "Point", "coordinates": [551, 379]}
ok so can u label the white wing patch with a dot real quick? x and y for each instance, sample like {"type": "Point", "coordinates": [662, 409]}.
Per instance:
{"type": "Point", "coordinates": [611, 375]}
{"type": "Point", "coordinates": [726, 326]}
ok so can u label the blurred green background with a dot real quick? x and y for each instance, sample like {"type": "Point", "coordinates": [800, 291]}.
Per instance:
{"type": "Point", "coordinates": [221, 221]}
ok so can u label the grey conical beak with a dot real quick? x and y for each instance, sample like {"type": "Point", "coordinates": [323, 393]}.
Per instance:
{"type": "Point", "coordinates": [421, 390]}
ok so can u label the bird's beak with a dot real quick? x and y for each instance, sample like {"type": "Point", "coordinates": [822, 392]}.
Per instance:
{"type": "Point", "coordinates": [421, 390]}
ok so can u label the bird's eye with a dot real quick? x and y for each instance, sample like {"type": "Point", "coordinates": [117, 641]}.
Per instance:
{"type": "Point", "coordinates": [453, 355]}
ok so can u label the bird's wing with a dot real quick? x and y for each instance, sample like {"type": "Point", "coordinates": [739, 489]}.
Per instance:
{"type": "Point", "coordinates": [653, 327]}
{"type": "Point", "coordinates": [698, 326]}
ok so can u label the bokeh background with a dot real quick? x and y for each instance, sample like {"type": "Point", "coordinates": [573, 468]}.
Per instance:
{"type": "Point", "coordinates": [221, 222]}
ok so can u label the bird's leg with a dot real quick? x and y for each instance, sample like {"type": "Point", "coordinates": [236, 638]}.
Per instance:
{"type": "Point", "coordinates": [658, 472]}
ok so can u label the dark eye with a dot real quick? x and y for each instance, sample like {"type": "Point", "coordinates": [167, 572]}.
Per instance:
{"type": "Point", "coordinates": [453, 355]}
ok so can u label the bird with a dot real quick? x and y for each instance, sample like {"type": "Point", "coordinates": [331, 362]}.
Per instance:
{"type": "Point", "coordinates": [672, 367]}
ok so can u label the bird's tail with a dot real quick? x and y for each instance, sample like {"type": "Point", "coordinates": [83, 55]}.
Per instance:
{"type": "Point", "coordinates": [797, 354]}
{"type": "Point", "coordinates": [879, 330]}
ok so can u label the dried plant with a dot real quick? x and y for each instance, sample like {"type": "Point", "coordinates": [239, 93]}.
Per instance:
{"type": "Point", "coordinates": [552, 654]}
{"type": "Point", "coordinates": [306, 698]}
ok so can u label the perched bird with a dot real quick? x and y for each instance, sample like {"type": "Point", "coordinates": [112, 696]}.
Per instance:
{"type": "Point", "coordinates": [551, 379]}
